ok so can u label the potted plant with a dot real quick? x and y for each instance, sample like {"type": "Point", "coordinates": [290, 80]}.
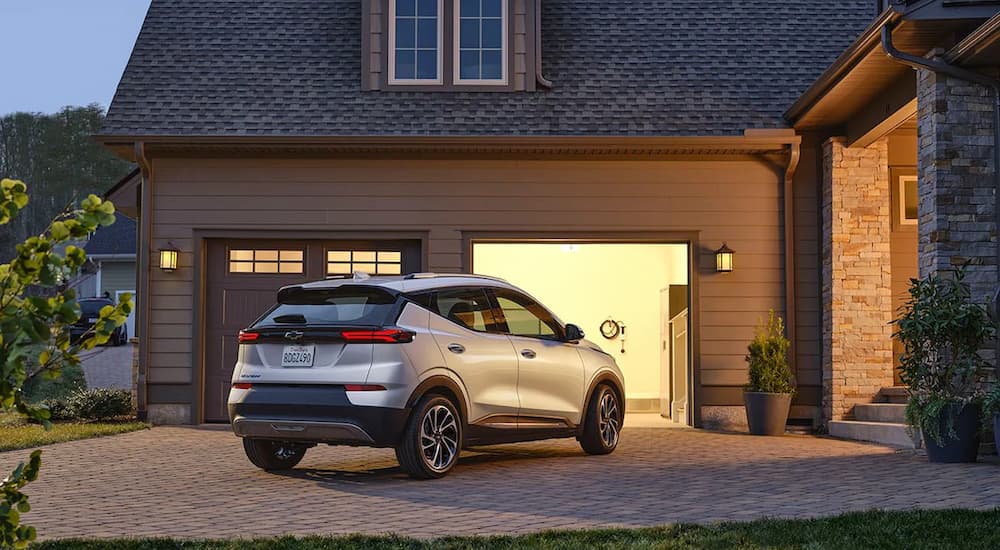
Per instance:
{"type": "Point", "coordinates": [768, 396]}
{"type": "Point", "coordinates": [942, 331]}
{"type": "Point", "coordinates": [991, 413]}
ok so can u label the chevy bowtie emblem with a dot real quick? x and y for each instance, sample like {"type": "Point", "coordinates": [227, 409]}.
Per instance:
{"type": "Point", "coordinates": [294, 335]}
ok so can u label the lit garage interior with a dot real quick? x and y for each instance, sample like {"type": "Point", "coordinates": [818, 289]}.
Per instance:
{"type": "Point", "coordinates": [630, 298]}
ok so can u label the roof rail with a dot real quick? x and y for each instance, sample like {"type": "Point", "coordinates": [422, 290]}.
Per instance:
{"type": "Point", "coordinates": [442, 275]}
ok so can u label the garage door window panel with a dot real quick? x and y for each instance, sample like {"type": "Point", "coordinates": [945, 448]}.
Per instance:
{"type": "Point", "coordinates": [373, 262]}
{"type": "Point", "coordinates": [266, 261]}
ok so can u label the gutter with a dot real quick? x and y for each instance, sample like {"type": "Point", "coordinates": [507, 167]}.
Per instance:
{"type": "Point", "coordinates": [794, 152]}
{"type": "Point", "coordinates": [143, 274]}
{"type": "Point", "coordinates": [539, 77]}
{"type": "Point", "coordinates": [938, 66]}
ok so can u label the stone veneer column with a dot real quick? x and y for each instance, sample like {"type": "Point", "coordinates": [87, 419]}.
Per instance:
{"type": "Point", "coordinates": [955, 157]}
{"type": "Point", "coordinates": [857, 291]}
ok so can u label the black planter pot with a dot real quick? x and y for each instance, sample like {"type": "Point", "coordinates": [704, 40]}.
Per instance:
{"type": "Point", "coordinates": [767, 413]}
{"type": "Point", "coordinates": [963, 449]}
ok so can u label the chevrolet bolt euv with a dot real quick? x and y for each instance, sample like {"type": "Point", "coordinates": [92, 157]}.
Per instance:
{"type": "Point", "coordinates": [426, 364]}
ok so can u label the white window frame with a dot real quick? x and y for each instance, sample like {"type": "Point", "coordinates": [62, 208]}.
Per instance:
{"type": "Point", "coordinates": [392, 50]}
{"type": "Point", "coordinates": [457, 50]}
{"type": "Point", "coordinates": [901, 193]}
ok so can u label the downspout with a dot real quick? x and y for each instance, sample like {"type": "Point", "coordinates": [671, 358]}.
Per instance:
{"type": "Point", "coordinates": [939, 66]}
{"type": "Point", "coordinates": [794, 151]}
{"type": "Point", "coordinates": [539, 77]}
{"type": "Point", "coordinates": [145, 227]}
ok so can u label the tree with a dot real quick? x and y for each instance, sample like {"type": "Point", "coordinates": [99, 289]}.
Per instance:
{"type": "Point", "coordinates": [58, 155]}
{"type": "Point", "coordinates": [36, 312]}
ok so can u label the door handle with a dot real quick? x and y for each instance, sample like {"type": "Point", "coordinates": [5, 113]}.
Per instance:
{"type": "Point", "coordinates": [527, 353]}
{"type": "Point", "coordinates": [456, 348]}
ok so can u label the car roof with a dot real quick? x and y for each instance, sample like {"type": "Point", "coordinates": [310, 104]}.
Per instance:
{"type": "Point", "coordinates": [413, 282]}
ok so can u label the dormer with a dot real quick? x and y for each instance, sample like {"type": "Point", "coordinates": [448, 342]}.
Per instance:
{"type": "Point", "coordinates": [450, 45]}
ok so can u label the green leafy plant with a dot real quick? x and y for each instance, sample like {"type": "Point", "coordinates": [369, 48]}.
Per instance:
{"type": "Point", "coordinates": [100, 404]}
{"type": "Point", "coordinates": [767, 356]}
{"type": "Point", "coordinates": [36, 311]}
{"type": "Point", "coordinates": [991, 403]}
{"type": "Point", "coordinates": [942, 330]}
{"type": "Point", "coordinates": [59, 410]}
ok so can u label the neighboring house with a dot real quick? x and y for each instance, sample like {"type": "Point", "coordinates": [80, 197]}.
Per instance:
{"type": "Point", "coordinates": [111, 253]}
{"type": "Point", "coordinates": [595, 153]}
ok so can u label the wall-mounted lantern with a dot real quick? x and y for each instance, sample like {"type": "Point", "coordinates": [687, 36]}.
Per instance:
{"type": "Point", "coordinates": [168, 258]}
{"type": "Point", "coordinates": [724, 259]}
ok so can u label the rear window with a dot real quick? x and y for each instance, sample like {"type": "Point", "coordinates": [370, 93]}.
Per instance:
{"type": "Point", "coordinates": [346, 305]}
{"type": "Point", "coordinates": [92, 308]}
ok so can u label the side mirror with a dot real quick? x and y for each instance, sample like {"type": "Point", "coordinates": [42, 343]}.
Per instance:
{"type": "Point", "coordinates": [573, 333]}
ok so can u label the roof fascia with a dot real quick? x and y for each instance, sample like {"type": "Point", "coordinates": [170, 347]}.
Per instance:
{"type": "Point", "coordinates": [983, 37]}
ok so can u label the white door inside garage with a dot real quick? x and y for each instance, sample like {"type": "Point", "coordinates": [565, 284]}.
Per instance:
{"type": "Point", "coordinates": [243, 277]}
{"type": "Point", "coordinates": [631, 299]}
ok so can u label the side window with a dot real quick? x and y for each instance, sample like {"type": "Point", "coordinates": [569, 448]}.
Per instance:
{"type": "Point", "coordinates": [526, 317]}
{"type": "Point", "coordinates": [469, 308]}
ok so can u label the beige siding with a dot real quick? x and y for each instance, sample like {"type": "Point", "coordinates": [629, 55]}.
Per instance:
{"type": "Point", "coordinates": [733, 201]}
{"type": "Point", "coordinates": [117, 276]}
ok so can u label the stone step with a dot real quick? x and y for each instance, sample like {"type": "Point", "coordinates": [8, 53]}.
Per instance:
{"type": "Point", "coordinates": [894, 413]}
{"type": "Point", "coordinates": [896, 394]}
{"type": "Point", "coordinates": [885, 433]}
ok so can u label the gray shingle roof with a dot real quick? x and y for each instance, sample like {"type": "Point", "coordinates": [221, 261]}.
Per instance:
{"type": "Point", "coordinates": [292, 67]}
{"type": "Point", "coordinates": [117, 238]}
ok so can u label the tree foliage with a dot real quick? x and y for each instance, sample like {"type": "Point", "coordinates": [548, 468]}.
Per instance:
{"type": "Point", "coordinates": [58, 155]}
{"type": "Point", "coordinates": [37, 310]}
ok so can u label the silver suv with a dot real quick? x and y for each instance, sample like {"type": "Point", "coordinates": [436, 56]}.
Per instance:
{"type": "Point", "coordinates": [427, 364]}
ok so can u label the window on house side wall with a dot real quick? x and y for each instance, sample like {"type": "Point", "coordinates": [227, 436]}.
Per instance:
{"type": "Point", "coordinates": [415, 41]}
{"type": "Point", "coordinates": [481, 42]}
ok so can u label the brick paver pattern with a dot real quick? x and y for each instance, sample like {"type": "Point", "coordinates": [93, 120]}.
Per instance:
{"type": "Point", "coordinates": [197, 483]}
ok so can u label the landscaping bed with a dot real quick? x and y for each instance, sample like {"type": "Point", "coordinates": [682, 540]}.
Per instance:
{"type": "Point", "coordinates": [869, 530]}
{"type": "Point", "coordinates": [16, 433]}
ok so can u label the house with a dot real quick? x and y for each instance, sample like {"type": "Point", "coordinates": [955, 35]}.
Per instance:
{"type": "Point", "coordinates": [598, 154]}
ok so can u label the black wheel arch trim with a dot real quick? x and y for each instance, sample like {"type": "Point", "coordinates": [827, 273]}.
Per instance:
{"type": "Point", "coordinates": [604, 378]}
{"type": "Point", "coordinates": [437, 381]}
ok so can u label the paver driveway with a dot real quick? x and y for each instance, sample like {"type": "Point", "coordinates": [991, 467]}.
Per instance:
{"type": "Point", "coordinates": [190, 482]}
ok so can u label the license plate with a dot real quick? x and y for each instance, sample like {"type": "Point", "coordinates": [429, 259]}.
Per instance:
{"type": "Point", "coordinates": [92, 320]}
{"type": "Point", "coordinates": [297, 356]}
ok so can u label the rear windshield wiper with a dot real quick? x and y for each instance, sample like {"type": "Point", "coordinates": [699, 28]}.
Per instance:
{"type": "Point", "coordinates": [291, 318]}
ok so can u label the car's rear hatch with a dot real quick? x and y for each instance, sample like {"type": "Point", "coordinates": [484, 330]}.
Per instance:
{"type": "Point", "coordinates": [319, 336]}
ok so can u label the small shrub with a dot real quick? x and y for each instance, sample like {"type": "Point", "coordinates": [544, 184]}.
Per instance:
{"type": "Point", "coordinates": [101, 404]}
{"type": "Point", "coordinates": [42, 388]}
{"type": "Point", "coordinates": [767, 356]}
{"type": "Point", "coordinates": [59, 410]}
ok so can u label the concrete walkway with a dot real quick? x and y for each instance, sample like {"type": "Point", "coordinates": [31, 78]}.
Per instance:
{"type": "Point", "coordinates": [196, 482]}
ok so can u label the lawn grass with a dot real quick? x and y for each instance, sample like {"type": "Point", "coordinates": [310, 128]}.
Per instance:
{"type": "Point", "coordinates": [948, 529]}
{"type": "Point", "coordinates": [71, 379]}
{"type": "Point", "coordinates": [15, 433]}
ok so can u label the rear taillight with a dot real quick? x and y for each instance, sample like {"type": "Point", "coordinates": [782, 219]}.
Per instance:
{"type": "Point", "coordinates": [363, 387]}
{"type": "Point", "coordinates": [382, 336]}
{"type": "Point", "coordinates": [247, 337]}
{"type": "Point", "coordinates": [242, 386]}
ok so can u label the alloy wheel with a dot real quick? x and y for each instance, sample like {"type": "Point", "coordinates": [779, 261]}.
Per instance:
{"type": "Point", "coordinates": [439, 438]}
{"type": "Point", "coordinates": [609, 421]}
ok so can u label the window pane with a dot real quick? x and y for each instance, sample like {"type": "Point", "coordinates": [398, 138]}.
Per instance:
{"type": "Point", "coordinates": [492, 65]}
{"type": "Point", "coordinates": [406, 33]}
{"type": "Point", "coordinates": [466, 308]}
{"type": "Point", "coordinates": [492, 8]}
{"type": "Point", "coordinates": [492, 34]}
{"type": "Point", "coordinates": [427, 64]}
{"type": "Point", "coordinates": [366, 268]}
{"type": "Point", "coordinates": [244, 255]}
{"type": "Point", "coordinates": [389, 269]}
{"type": "Point", "coordinates": [470, 8]}
{"type": "Point", "coordinates": [366, 256]}
{"type": "Point", "coordinates": [266, 255]}
{"type": "Point", "coordinates": [427, 33]}
{"type": "Point", "coordinates": [291, 255]}
{"type": "Point", "coordinates": [470, 33]}
{"type": "Point", "coordinates": [338, 256]}
{"type": "Point", "coordinates": [427, 8]}
{"type": "Point", "coordinates": [469, 65]}
{"type": "Point", "coordinates": [525, 317]}
{"type": "Point", "coordinates": [265, 267]}
{"type": "Point", "coordinates": [338, 269]}
{"type": "Point", "coordinates": [406, 7]}
{"type": "Point", "coordinates": [390, 257]}
{"type": "Point", "coordinates": [406, 61]}
{"type": "Point", "coordinates": [912, 199]}
{"type": "Point", "coordinates": [290, 267]}
{"type": "Point", "coordinates": [240, 267]}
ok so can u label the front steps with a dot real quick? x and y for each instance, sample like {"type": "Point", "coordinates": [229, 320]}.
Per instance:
{"type": "Point", "coordinates": [880, 422]}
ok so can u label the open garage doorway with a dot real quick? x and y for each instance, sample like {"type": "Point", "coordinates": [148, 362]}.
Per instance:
{"type": "Point", "coordinates": [631, 299]}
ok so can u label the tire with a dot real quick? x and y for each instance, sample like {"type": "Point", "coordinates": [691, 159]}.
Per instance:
{"type": "Point", "coordinates": [602, 427]}
{"type": "Point", "coordinates": [121, 337]}
{"type": "Point", "coordinates": [432, 440]}
{"type": "Point", "coordinates": [273, 455]}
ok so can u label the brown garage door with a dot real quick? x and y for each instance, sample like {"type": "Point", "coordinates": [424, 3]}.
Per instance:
{"type": "Point", "coordinates": [244, 275]}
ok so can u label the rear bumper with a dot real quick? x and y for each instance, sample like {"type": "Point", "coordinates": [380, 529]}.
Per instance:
{"type": "Point", "coordinates": [318, 414]}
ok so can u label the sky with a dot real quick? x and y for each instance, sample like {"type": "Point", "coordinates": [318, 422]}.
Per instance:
{"type": "Point", "coordinates": [55, 53]}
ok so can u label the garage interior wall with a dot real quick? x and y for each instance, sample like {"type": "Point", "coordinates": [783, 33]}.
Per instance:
{"type": "Point", "coordinates": [737, 201]}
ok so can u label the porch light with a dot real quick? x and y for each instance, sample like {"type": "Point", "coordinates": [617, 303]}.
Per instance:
{"type": "Point", "coordinates": [724, 259]}
{"type": "Point", "coordinates": [168, 258]}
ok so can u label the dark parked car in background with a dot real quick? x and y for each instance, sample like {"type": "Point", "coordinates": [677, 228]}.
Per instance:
{"type": "Point", "coordinates": [90, 309]}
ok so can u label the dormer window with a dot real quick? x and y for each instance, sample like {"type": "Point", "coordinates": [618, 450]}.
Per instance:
{"type": "Point", "coordinates": [415, 38]}
{"type": "Point", "coordinates": [481, 42]}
